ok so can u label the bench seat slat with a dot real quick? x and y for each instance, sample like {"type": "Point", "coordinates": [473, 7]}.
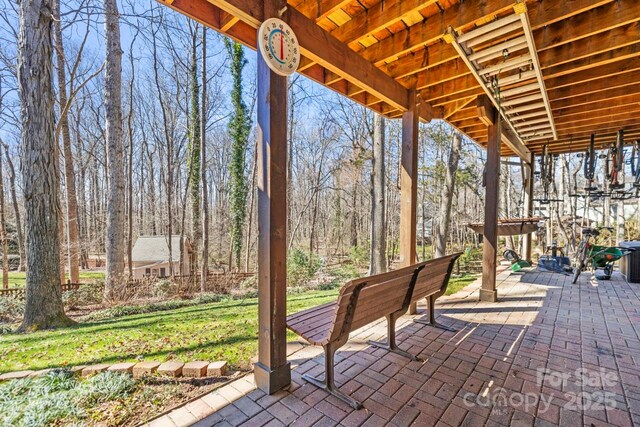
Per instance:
{"type": "Point", "coordinates": [310, 312]}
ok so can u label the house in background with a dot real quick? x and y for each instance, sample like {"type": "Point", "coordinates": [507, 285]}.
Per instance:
{"type": "Point", "coordinates": [150, 256]}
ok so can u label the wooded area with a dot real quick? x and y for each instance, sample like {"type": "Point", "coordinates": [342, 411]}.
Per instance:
{"type": "Point", "coordinates": [151, 130]}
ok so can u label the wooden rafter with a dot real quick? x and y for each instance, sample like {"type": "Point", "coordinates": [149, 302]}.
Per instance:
{"type": "Point", "coordinates": [588, 52]}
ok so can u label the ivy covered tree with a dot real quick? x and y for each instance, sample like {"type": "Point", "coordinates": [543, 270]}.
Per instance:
{"type": "Point", "coordinates": [239, 128]}
{"type": "Point", "coordinates": [194, 142]}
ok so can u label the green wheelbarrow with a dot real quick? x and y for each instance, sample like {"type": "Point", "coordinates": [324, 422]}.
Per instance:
{"type": "Point", "coordinates": [599, 258]}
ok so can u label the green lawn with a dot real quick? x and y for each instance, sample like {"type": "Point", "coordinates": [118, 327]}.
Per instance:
{"type": "Point", "coordinates": [224, 330]}
{"type": "Point", "coordinates": [457, 283]}
{"type": "Point", "coordinates": [219, 331]}
{"type": "Point", "coordinates": [17, 279]}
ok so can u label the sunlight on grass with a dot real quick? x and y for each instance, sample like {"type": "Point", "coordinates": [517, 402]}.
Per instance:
{"type": "Point", "coordinates": [458, 283]}
{"type": "Point", "coordinates": [225, 330]}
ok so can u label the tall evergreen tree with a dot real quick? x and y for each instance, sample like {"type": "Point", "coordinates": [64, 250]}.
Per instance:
{"type": "Point", "coordinates": [239, 128]}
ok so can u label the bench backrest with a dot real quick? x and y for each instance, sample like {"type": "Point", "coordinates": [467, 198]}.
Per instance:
{"type": "Point", "coordinates": [365, 300]}
{"type": "Point", "coordinates": [434, 277]}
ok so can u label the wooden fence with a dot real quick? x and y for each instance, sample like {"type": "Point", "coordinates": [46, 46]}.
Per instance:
{"type": "Point", "coordinates": [20, 292]}
{"type": "Point", "coordinates": [217, 282]}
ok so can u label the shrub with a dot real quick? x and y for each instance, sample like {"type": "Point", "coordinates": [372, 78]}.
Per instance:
{"type": "Point", "coordinates": [11, 309]}
{"type": "Point", "coordinates": [328, 286]}
{"type": "Point", "coordinates": [301, 267]}
{"type": "Point", "coordinates": [129, 310]}
{"type": "Point", "coordinates": [347, 272]}
{"type": "Point", "coordinates": [85, 295]}
{"type": "Point", "coordinates": [250, 283]}
{"type": "Point", "coordinates": [162, 288]}
{"type": "Point", "coordinates": [359, 256]}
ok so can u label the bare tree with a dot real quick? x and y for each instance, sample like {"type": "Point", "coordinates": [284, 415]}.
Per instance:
{"type": "Point", "coordinates": [440, 237]}
{"type": "Point", "coordinates": [16, 208]}
{"type": "Point", "coordinates": [378, 260]}
{"type": "Point", "coordinates": [203, 166]}
{"type": "Point", "coordinates": [3, 232]}
{"type": "Point", "coordinates": [70, 178]}
{"type": "Point", "coordinates": [40, 174]}
{"type": "Point", "coordinates": [115, 151]}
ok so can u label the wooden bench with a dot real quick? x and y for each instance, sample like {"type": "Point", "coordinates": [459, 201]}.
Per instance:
{"type": "Point", "coordinates": [432, 284]}
{"type": "Point", "coordinates": [364, 301]}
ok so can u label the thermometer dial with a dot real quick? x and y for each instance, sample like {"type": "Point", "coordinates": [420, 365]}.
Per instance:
{"type": "Point", "coordinates": [279, 46]}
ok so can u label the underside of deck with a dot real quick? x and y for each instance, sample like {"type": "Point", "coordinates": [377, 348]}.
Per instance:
{"type": "Point", "coordinates": [549, 353]}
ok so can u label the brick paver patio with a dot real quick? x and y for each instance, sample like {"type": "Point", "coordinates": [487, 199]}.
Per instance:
{"type": "Point", "coordinates": [549, 353]}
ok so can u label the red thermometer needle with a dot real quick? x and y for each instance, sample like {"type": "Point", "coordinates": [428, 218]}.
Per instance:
{"type": "Point", "coordinates": [281, 47]}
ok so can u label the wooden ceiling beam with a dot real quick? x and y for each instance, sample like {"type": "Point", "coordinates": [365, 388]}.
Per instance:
{"type": "Point", "coordinates": [629, 101]}
{"type": "Point", "coordinates": [580, 144]}
{"type": "Point", "coordinates": [594, 86]}
{"type": "Point", "coordinates": [611, 112]}
{"type": "Point", "coordinates": [601, 123]}
{"type": "Point", "coordinates": [459, 105]}
{"type": "Point", "coordinates": [596, 98]}
{"type": "Point", "coordinates": [633, 124]}
{"type": "Point", "coordinates": [616, 38]}
{"type": "Point", "coordinates": [318, 10]}
{"type": "Point", "coordinates": [447, 83]}
{"type": "Point", "coordinates": [607, 57]}
{"type": "Point", "coordinates": [316, 44]}
{"type": "Point", "coordinates": [595, 73]}
{"type": "Point", "coordinates": [377, 18]}
{"type": "Point", "coordinates": [335, 56]}
{"type": "Point", "coordinates": [464, 14]}
{"type": "Point", "coordinates": [580, 56]}
{"type": "Point", "coordinates": [488, 115]}
{"type": "Point", "coordinates": [433, 28]}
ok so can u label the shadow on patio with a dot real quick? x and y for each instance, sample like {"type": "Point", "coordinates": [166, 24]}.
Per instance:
{"type": "Point", "coordinates": [549, 353]}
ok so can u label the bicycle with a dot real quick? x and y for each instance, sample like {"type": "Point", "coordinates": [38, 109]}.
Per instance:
{"type": "Point", "coordinates": [547, 174]}
{"type": "Point", "coordinates": [634, 161]}
{"type": "Point", "coordinates": [596, 256]}
{"type": "Point", "coordinates": [590, 165]}
{"type": "Point", "coordinates": [615, 161]}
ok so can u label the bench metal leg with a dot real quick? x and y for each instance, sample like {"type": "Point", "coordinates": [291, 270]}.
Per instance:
{"type": "Point", "coordinates": [328, 384]}
{"type": "Point", "coordinates": [432, 316]}
{"type": "Point", "coordinates": [391, 344]}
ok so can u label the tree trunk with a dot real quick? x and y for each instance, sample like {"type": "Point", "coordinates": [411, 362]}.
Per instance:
{"type": "Point", "coordinates": [440, 236]}
{"type": "Point", "coordinates": [195, 141]}
{"type": "Point", "coordinates": [16, 209]}
{"type": "Point", "coordinates": [3, 232]}
{"type": "Point", "coordinates": [130, 164]}
{"type": "Point", "coordinates": [203, 167]}
{"type": "Point", "coordinates": [40, 174]}
{"type": "Point", "coordinates": [73, 238]}
{"type": "Point", "coordinates": [115, 152]}
{"type": "Point", "coordinates": [378, 260]}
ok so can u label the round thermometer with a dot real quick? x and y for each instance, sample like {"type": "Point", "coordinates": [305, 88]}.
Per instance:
{"type": "Point", "coordinates": [279, 46]}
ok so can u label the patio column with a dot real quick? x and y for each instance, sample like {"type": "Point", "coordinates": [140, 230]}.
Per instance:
{"type": "Point", "coordinates": [489, 116]}
{"type": "Point", "coordinates": [272, 371]}
{"type": "Point", "coordinates": [529, 170]}
{"type": "Point", "coordinates": [409, 187]}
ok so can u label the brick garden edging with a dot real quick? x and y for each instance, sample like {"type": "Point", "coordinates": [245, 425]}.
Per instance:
{"type": "Point", "coordinates": [172, 368]}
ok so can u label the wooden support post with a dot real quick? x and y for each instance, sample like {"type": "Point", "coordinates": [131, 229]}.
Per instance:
{"type": "Point", "coordinates": [489, 115]}
{"type": "Point", "coordinates": [528, 203]}
{"type": "Point", "coordinates": [409, 187]}
{"type": "Point", "coordinates": [272, 371]}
